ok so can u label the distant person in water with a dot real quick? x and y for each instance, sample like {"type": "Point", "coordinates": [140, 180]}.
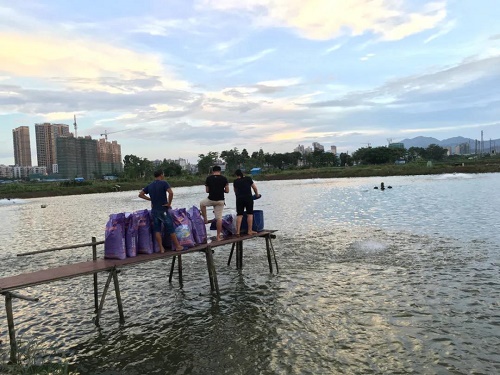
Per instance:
{"type": "Point", "coordinates": [215, 185]}
{"type": "Point", "coordinates": [243, 186]}
{"type": "Point", "coordinates": [157, 191]}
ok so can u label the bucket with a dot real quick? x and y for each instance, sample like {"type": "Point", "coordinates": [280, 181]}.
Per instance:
{"type": "Point", "coordinates": [258, 222]}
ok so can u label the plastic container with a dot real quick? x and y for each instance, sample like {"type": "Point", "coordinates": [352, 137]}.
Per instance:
{"type": "Point", "coordinates": [258, 222]}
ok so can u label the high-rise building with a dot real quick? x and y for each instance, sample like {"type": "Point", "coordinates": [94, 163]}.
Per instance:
{"type": "Point", "coordinates": [46, 149]}
{"type": "Point", "coordinates": [318, 147]}
{"type": "Point", "coordinates": [109, 155]}
{"type": "Point", "coordinates": [22, 148]}
{"type": "Point", "coordinates": [77, 157]}
{"type": "Point", "coordinates": [333, 150]}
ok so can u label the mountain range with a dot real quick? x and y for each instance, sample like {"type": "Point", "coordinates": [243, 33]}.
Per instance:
{"type": "Point", "coordinates": [451, 142]}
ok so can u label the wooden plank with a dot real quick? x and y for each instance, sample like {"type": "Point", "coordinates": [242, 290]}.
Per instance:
{"type": "Point", "coordinates": [92, 267]}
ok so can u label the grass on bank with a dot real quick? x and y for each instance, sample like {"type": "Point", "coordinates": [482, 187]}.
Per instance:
{"type": "Point", "coordinates": [43, 189]}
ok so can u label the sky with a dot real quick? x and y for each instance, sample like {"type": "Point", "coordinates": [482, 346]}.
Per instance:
{"type": "Point", "coordinates": [179, 78]}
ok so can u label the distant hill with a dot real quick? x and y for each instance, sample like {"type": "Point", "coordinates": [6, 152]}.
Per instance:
{"type": "Point", "coordinates": [449, 142]}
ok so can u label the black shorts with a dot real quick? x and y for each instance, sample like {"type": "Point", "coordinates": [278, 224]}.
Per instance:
{"type": "Point", "coordinates": [244, 203]}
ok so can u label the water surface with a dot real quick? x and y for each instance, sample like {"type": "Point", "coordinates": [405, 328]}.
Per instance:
{"type": "Point", "coordinates": [404, 280]}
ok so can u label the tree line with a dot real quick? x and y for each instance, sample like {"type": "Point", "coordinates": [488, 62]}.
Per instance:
{"type": "Point", "coordinates": [135, 167]}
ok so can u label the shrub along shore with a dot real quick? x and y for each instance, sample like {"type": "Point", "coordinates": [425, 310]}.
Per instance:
{"type": "Point", "coordinates": [26, 190]}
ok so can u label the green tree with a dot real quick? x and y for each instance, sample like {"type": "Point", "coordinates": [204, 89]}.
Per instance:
{"type": "Point", "coordinates": [206, 162]}
{"type": "Point", "coordinates": [233, 159]}
{"type": "Point", "coordinates": [378, 155]}
{"type": "Point", "coordinates": [435, 152]}
{"type": "Point", "coordinates": [135, 167]}
{"type": "Point", "coordinates": [345, 159]}
{"type": "Point", "coordinates": [415, 153]}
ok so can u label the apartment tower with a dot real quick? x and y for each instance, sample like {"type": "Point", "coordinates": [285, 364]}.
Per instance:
{"type": "Point", "coordinates": [22, 148]}
{"type": "Point", "coordinates": [46, 149]}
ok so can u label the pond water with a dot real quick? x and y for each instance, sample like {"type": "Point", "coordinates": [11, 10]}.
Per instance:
{"type": "Point", "coordinates": [404, 280]}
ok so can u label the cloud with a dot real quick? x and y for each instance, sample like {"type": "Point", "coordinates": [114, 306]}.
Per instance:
{"type": "Point", "coordinates": [367, 56]}
{"type": "Point", "coordinates": [431, 87]}
{"type": "Point", "coordinates": [42, 56]}
{"type": "Point", "coordinates": [328, 19]}
{"type": "Point", "coordinates": [444, 29]}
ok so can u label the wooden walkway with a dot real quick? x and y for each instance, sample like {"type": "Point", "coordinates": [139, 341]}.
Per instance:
{"type": "Point", "coordinates": [11, 283]}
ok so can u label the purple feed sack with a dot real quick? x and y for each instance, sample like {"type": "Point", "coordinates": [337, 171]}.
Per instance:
{"type": "Point", "coordinates": [228, 225]}
{"type": "Point", "coordinates": [131, 227]}
{"type": "Point", "coordinates": [156, 246]}
{"type": "Point", "coordinates": [144, 239]}
{"type": "Point", "coordinates": [114, 238]}
{"type": "Point", "coordinates": [198, 225]}
{"type": "Point", "coordinates": [183, 228]}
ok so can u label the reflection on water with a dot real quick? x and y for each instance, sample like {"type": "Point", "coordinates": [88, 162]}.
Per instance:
{"type": "Point", "coordinates": [397, 281]}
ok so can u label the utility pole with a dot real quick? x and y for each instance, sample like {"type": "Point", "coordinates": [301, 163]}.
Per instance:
{"type": "Point", "coordinates": [482, 144]}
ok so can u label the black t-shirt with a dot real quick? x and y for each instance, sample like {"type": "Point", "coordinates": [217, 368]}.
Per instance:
{"type": "Point", "coordinates": [243, 186]}
{"type": "Point", "coordinates": [216, 184]}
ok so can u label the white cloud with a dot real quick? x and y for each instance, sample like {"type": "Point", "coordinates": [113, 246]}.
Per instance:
{"type": "Point", "coordinates": [327, 19]}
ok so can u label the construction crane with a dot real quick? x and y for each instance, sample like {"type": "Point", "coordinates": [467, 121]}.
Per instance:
{"type": "Point", "coordinates": [106, 133]}
{"type": "Point", "coordinates": [76, 128]}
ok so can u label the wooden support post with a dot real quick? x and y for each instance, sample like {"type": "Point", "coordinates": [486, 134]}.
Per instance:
{"type": "Point", "coordinates": [118, 296]}
{"type": "Point", "coordinates": [179, 269]}
{"type": "Point", "coordinates": [212, 274]}
{"type": "Point", "coordinates": [12, 332]}
{"type": "Point", "coordinates": [239, 254]}
{"type": "Point", "coordinates": [103, 297]}
{"type": "Point", "coordinates": [268, 249]}
{"type": "Point", "coordinates": [171, 270]}
{"type": "Point", "coordinates": [231, 254]}
{"type": "Point", "coordinates": [274, 253]}
{"type": "Point", "coordinates": [94, 258]}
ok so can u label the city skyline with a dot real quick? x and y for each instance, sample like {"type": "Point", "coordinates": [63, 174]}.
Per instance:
{"type": "Point", "coordinates": [183, 78]}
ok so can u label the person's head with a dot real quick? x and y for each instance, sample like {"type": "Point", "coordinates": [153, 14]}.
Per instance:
{"type": "Point", "coordinates": [216, 168]}
{"type": "Point", "coordinates": [238, 173]}
{"type": "Point", "coordinates": [158, 173]}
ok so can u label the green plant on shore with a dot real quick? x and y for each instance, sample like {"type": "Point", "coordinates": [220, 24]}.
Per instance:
{"type": "Point", "coordinates": [32, 359]}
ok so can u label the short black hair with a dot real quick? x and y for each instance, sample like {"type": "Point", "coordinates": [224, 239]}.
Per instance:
{"type": "Point", "coordinates": [216, 168]}
{"type": "Point", "coordinates": [238, 173]}
{"type": "Point", "coordinates": [158, 173]}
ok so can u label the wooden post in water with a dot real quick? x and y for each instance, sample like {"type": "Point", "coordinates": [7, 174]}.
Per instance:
{"type": "Point", "coordinates": [239, 254]}
{"type": "Point", "coordinates": [268, 249]}
{"type": "Point", "coordinates": [104, 292]}
{"type": "Point", "coordinates": [212, 274]}
{"type": "Point", "coordinates": [10, 323]}
{"type": "Point", "coordinates": [118, 296]}
{"type": "Point", "coordinates": [94, 258]}
{"type": "Point", "coordinates": [171, 270]}
{"type": "Point", "coordinates": [179, 268]}
{"type": "Point", "coordinates": [231, 254]}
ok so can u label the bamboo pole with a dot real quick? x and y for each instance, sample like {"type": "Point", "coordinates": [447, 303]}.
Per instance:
{"type": "Point", "coordinates": [61, 248]}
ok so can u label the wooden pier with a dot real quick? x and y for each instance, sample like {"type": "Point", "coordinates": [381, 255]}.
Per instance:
{"type": "Point", "coordinates": [11, 283]}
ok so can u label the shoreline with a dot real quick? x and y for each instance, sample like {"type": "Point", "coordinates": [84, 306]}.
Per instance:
{"type": "Point", "coordinates": [52, 189]}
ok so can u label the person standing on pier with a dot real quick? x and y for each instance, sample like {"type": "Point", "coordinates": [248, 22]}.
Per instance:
{"type": "Point", "coordinates": [160, 203]}
{"type": "Point", "coordinates": [243, 186]}
{"type": "Point", "coordinates": [215, 185]}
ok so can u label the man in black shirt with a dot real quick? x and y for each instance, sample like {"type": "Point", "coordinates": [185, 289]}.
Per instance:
{"type": "Point", "coordinates": [215, 185]}
{"type": "Point", "coordinates": [243, 186]}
